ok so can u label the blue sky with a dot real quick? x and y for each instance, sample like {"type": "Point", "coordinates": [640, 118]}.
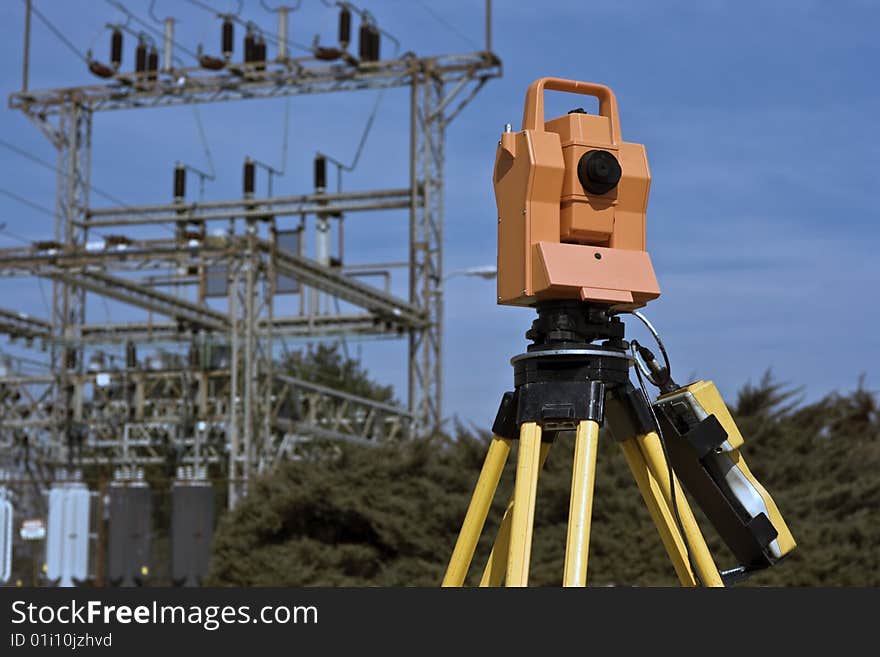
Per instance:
{"type": "Point", "coordinates": [759, 120]}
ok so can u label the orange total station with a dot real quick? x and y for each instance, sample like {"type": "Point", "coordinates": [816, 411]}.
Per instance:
{"type": "Point", "coordinates": [571, 199]}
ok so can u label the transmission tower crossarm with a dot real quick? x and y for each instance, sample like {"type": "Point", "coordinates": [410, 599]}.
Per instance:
{"type": "Point", "coordinates": [278, 206]}
{"type": "Point", "coordinates": [194, 85]}
{"type": "Point", "coordinates": [364, 324]}
{"type": "Point", "coordinates": [28, 261]}
{"type": "Point", "coordinates": [18, 324]}
{"type": "Point", "coordinates": [133, 294]}
{"type": "Point", "coordinates": [311, 273]}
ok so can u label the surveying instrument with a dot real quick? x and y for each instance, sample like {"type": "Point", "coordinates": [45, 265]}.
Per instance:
{"type": "Point", "coordinates": [571, 199]}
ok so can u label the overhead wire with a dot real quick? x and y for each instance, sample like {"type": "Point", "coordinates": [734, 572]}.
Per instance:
{"type": "Point", "coordinates": [43, 295]}
{"type": "Point", "coordinates": [28, 202]}
{"type": "Point", "coordinates": [206, 147]}
{"type": "Point", "coordinates": [58, 34]}
{"type": "Point", "coordinates": [274, 9]}
{"type": "Point", "coordinates": [452, 28]}
{"type": "Point", "coordinates": [52, 167]}
{"type": "Point", "coordinates": [33, 205]}
{"type": "Point", "coordinates": [12, 235]}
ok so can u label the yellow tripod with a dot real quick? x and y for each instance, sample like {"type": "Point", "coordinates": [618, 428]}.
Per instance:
{"type": "Point", "coordinates": [561, 384]}
{"type": "Point", "coordinates": [571, 198]}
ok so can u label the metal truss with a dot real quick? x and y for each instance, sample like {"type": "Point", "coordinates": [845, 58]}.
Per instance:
{"type": "Point", "coordinates": [20, 325]}
{"type": "Point", "coordinates": [217, 399]}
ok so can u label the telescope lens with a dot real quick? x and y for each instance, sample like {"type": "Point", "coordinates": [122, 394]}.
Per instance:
{"type": "Point", "coordinates": [598, 171]}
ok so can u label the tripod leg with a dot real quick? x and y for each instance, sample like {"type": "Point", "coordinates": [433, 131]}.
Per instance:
{"type": "Point", "coordinates": [660, 513]}
{"type": "Point", "coordinates": [475, 518]}
{"type": "Point", "coordinates": [523, 515]}
{"type": "Point", "coordinates": [652, 451]}
{"type": "Point", "coordinates": [496, 566]}
{"type": "Point", "coordinates": [580, 509]}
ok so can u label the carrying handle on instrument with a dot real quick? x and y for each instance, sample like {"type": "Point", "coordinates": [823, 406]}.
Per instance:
{"type": "Point", "coordinates": [533, 114]}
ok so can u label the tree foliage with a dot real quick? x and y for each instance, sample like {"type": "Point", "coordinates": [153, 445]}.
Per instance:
{"type": "Point", "coordinates": [388, 516]}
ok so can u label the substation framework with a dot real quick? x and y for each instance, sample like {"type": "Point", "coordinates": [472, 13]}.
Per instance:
{"type": "Point", "coordinates": [223, 403]}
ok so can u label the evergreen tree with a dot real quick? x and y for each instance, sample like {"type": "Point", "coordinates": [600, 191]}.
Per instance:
{"type": "Point", "coordinates": [389, 515]}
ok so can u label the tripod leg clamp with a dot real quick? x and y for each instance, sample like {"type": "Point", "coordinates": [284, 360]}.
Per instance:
{"type": "Point", "coordinates": [629, 414]}
{"type": "Point", "coordinates": [505, 425]}
{"type": "Point", "coordinates": [554, 405]}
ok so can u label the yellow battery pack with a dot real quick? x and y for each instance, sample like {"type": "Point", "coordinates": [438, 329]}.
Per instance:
{"type": "Point", "coordinates": [704, 445]}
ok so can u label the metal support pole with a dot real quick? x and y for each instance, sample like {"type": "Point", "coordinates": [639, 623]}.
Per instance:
{"type": "Point", "coordinates": [282, 33]}
{"type": "Point", "coordinates": [233, 472]}
{"type": "Point", "coordinates": [27, 47]}
{"type": "Point", "coordinates": [250, 358]}
{"type": "Point", "coordinates": [168, 50]}
{"type": "Point", "coordinates": [413, 237]}
{"type": "Point", "coordinates": [488, 25]}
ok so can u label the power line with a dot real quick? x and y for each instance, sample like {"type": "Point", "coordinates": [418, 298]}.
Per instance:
{"type": "Point", "coordinates": [205, 145]}
{"type": "Point", "coordinates": [12, 235]}
{"type": "Point", "coordinates": [30, 156]}
{"type": "Point", "coordinates": [28, 202]}
{"type": "Point", "coordinates": [452, 28]}
{"type": "Point", "coordinates": [45, 298]}
{"type": "Point", "coordinates": [207, 7]}
{"type": "Point", "coordinates": [58, 34]}
{"type": "Point", "coordinates": [48, 165]}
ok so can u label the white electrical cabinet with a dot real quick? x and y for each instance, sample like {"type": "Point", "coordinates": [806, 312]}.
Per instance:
{"type": "Point", "coordinates": [67, 538]}
{"type": "Point", "coordinates": [5, 536]}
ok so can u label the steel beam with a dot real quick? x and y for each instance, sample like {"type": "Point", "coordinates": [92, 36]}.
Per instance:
{"type": "Point", "coordinates": [141, 296]}
{"type": "Point", "coordinates": [309, 272]}
{"type": "Point", "coordinates": [297, 77]}
{"type": "Point", "coordinates": [20, 325]}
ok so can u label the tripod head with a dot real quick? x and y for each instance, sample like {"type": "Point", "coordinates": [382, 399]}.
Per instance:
{"type": "Point", "coordinates": [572, 197]}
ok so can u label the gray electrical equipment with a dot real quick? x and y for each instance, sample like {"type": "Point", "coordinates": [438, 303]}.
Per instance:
{"type": "Point", "coordinates": [5, 536]}
{"type": "Point", "coordinates": [130, 533]}
{"type": "Point", "coordinates": [67, 538]}
{"type": "Point", "coordinates": [216, 280]}
{"type": "Point", "coordinates": [291, 242]}
{"type": "Point", "coordinates": [192, 527]}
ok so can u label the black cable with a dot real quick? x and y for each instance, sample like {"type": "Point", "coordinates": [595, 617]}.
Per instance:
{"type": "Point", "coordinates": [48, 165]}
{"type": "Point", "coordinates": [452, 28]}
{"type": "Point", "coordinates": [30, 156]}
{"type": "Point", "coordinates": [45, 298]}
{"type": "Point", "coordinates": [14, 236]}
{"type": "Point", "coordinates": [644, 320]}
{"type": "Point", "coordinates": [51, 167]}
{"type": "Point", "coordinates": [671, 474]}
{"type": "Point", "coordinates": [274, 9]}
{"type": "Point", "coordinates": [22, 199]}
{"type": "Point", "coordinates": [59, 35]}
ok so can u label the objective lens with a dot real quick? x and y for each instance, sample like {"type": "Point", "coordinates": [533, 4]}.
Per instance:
{"type": "Point", "coordinates": [598, 171]}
